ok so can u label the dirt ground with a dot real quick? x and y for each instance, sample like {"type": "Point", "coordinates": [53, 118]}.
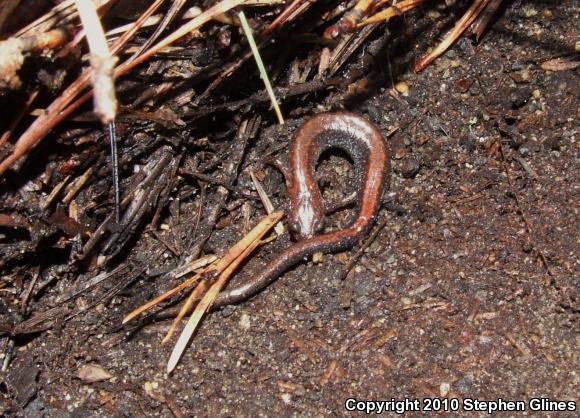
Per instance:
{"type": "Point", "coordinates": [470, 289]}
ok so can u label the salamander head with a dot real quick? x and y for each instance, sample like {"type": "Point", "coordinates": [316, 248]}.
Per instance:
{"type": "Point", "coordinates": [304, 219]}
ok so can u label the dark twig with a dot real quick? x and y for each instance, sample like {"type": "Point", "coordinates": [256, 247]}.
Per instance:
{"type": "Point", "coordinates": [115, 170]}
{"type": "Point", "coordinates": [167, 19]}
{"type": "Point", "coordinates": [523, 213]}
{"type": "Point", "coordinates": [261, 97]}
{"type": "Point", "coordinates": [213, 180]}
{"type": "Point", "coordinates": [356, 256]}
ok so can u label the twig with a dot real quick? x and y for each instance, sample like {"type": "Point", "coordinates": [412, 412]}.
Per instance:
{"type": "Point", "coordinates": [483, 20]}
{"type": "Point", "coordinates": [213, 180]}
{"type": "Point", "coordinates": [102, 62]}
{"type": "Point", "coordinates": [522, 212]}
{"type": "Point", "coordinates": [259, 97]}
{"type": "Point", "coordinates": [23, 112]}
{"type": "Point", "coordinates": [463, 23]}
{"type": "Point", "coordinates": [294, 9]}
{"type": "Point", "coordinates": [115, 169]}
{"type": "Point", "coordinates": [77, 185]}
{"type": "Point", "coordinates": [58, 110]}
{"type": "Point", "coordinates": [355, 257]}
{"type": "Point", "coordinates": [390, 12]}
{"type": "Point", "coordinates": [167, 18]}
{"type": "Point", "coordinates": [526, 167]}
{"type": "Point", "coordinates": [266, 202]}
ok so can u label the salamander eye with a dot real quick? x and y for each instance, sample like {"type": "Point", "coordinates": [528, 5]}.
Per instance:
{"type": "Point", "coordinates": [294, 228]}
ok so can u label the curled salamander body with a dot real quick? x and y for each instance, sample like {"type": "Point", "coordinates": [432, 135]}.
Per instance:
{"type": "Point", "coordinates": [369, 153]}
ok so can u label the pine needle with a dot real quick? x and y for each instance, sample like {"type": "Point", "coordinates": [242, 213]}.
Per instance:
{"type": "Point", "coordinates": [260, 64]}
{"type": "Point", "coordinates": [227, 265]}
{"type": "Point", "coordinates": [199, 263]}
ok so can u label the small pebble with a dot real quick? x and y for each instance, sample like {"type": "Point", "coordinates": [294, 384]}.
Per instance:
{"type": "Point", "coordinates": [422, 140]}
{"type": "Point", "coordinates": [533, 106]}
{"type": "Point", "coordinates": [552, 143]}
{"type": "Point", "coordinates": [519, 98]}
{"type": "Point", "coordinates": [318, 257]}
{"type": "Point", "coordinates": [522, 76]}
{"type": "Point", "coordinates": [433, 14]}
{"type": "Point", "coordinates": [529, 11]}
{"type": "Point", "coordinates": [410, 168]}
{"type": "Point", "coordinates": [469, 141]}
{"type": "Point", "coordinates": [245, 322]}
{"type": "Point", "coordinates": [444, 389]}
{"type": "Point", "coordinates": [465, 384]}
{"type": "Point", "coordinates": [399, 153]}
{"type": "Point", "coordinates": [402, 87]}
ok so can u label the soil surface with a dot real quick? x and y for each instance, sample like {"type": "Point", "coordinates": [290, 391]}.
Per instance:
{"type": "Point", "coordinates": [469, 290]}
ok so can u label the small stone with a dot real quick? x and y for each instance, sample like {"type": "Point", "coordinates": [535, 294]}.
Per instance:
{"type": "Point", "coordinates": [406, 301]}
{"type": "Point", "coordinates": [469, 141]}
{"type": "Point", "coordinates": [399, 153]}
{"type": "Point", "coordinates": [402, 87]}
{"type": "Point", "coordinates": [533, 106]}
{"type": "Point", "coordinates": [529, 11]}
{"type": "Point", "coordinates": [519, 98]}
{"type": "Point", "coordinates": [92, 373]}
{"type": "Point", "coordinates": [300, 390]}
{"type": "Point", "coordinates": [410, 168]}
{"type": "Point", "coordinates": [444, 389]}
{"type": "Point", "coordinates": [552, 143]}
{"type": "Point", "coordinates": [422, 140]}
{"type": "Point", "coordinates": [484, 339]}
{"type": "Point", "coordinates": [465, 384]}
{"type": "Point", "coordinates": [520, 77]}
{"type": "Point", "coordinates": [533, 146]}
{"type": "Point", "coordinates": [245, 322]}
{"type": "Point", "coordinates": [475, 90]}
{"type": "Point", "coordinates": [463, 85]}
{"type": "Point", "coordinates": [433, 14]}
